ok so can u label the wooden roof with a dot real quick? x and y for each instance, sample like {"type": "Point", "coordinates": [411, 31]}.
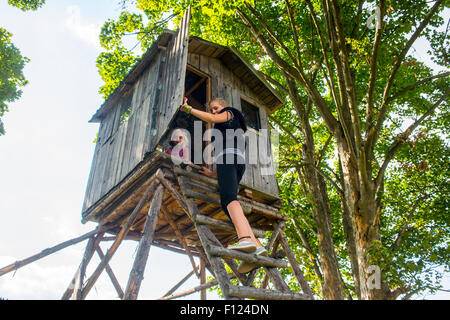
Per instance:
{"type": "Point", "coordinates": [229, 56]}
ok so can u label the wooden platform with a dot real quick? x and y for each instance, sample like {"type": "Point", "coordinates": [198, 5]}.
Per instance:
{"type": "Point", "coordinates": [113, 210]}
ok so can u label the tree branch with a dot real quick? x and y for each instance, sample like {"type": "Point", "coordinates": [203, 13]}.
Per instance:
{"type": "Point", "coordinates": [296, 140]}
{"type": "Point", "coordinates": [274, 82]}
{"type": "Point", "coordinates": [404, 227]}
{"type": "Point", "coordinates": [342, 108]}
{"type": "Point", "coordinates": [348, 81]}
{"type": "Point", "coordinates": [418, 83]}
{"type": "Point", "coordinates": [294, 30]}
{"type": "Point", "coordinates": [373, 66]}
{"type": "Point", "coordinates": [274, 37]}
{"type": "Point", "coordinates": [403, 137]}
{"type": "Point", "coordinates": [294, 73]}
{"type": "Point", "coordinates": [374, 132]}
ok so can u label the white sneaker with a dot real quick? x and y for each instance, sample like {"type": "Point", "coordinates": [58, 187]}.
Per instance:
{"type": "Point", "coordinates": [244, 246]}
{"type": "Point", "coordinates": [246, 266]}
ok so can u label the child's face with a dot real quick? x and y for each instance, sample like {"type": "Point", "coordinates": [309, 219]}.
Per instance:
{"type": "Point", "coordinates": [176, 139]}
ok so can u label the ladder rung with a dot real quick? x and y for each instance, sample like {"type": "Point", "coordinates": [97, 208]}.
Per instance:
{"type": "Point", "coordinates": [250, 257]}
{"type": "Point", "coordinates": [224, 225]}
{"type": "Point", "coordinates": [210, 199]}
{"type": "Point", "coordinates": [265, 294]}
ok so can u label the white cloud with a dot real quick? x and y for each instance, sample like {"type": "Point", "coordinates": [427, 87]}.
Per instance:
{"type": "Point", "coordinates": [86, 31]}
{"type": "Point", "coordinates": [35, 281]}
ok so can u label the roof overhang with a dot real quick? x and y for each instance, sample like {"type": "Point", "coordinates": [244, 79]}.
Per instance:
{"type": "Point", "coordinates": [231, 58]}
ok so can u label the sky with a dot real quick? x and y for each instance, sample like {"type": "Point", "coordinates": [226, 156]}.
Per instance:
{"type": "Point", "coordinates": [46, 154]}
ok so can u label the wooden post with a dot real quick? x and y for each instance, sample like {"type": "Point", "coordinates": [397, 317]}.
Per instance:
{"type": "Point", "coordinates": [175, 287]}
{"type": "Point", "coordinates": [202, 279]}
{"type": "Point", "coordinates": [293, 262]}
{"type": "Point", "coordinates": [195, 289]}
{"type": "Point", "coordinates": [88, 256]}
{"type": "Point", "coordinates": [110, 273]}
{"type": "Point", "coordinates": [180, 239]}
{"type": "Point", "coordinates": [79, 278]}
{"type": "Point", "coordinates": [122, 234]}
{"type": "Point", "coordinates": [137, 273]}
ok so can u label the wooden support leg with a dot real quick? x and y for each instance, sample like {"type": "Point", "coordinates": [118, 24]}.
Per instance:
{"type": "Point", "coordinates": [175, 287]}
{"type": "Point", "coordinates": [197, 288]}
{"type": "Point", "coordinates": [269, 247]}
{"type": "Point", "coordinates": [18, 264]}
{"type": "Point", "coordinates": [180, 239]}
{"type": "Point", "coordinates": [110, 273]}
{"type": "Point", "coordinates": [87, 256]}
{"type": "Point", "coordinates": [122, 234]}
{"type": "Point", "coordinates": [202, 279]}
{"type": "Point", "coordinates": [137, 273]}
{"type": "Point", "coordinates": [79, 278]}
{"type": "Point", "coordinates": [293, 262]}
{"type": "Point", "coordinates": [217, 266]}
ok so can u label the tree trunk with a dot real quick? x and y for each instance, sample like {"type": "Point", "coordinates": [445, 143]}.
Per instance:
{"type": "Point", "coordinates": [332, 288]}
{"type": "Point", "coordinates": [361, 206]}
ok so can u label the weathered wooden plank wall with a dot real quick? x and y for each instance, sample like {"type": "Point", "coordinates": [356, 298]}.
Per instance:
{"type": "Point", "coordinates": [120, 147]}
{"type": "Point", "coordinates": [174, 76]}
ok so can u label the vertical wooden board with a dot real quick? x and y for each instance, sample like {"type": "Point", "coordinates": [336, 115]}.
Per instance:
{"type": "Point", "coordinates": [247, 178]}
{"type": "Point", "coordinates": [257, 181]}
{"type": "Point", "coordinates": [263, 149]}
{"type": "Point", "coordinates": [122, 133]}
{"type": "Point", "coordinates": [214, 87]}
{"type": "Point", "coordinates": [216, 79]}
{"type": "Point", "coordinates": [98, 177]}
{"type": "Point", "coordinates": [172, 83]}
{"type": "Point", "coordinates": [271, 181]}
{"type": "Point", "coordinates": [141, 138]}
{"type": "Point", "coordinates": [145, 80]}
{"type": "Point", "coordinates": [152, 102]}
{"type": "Point", "coordinates": [128, 146]}
{"type": "Point", "coordinates": [87, 203]}
{"type": "Point", "coordinates": [95, 168]}
{"type": "Point", "coordinates": [137, 123]}
{"type": "Point", "coordinates": [163, 97]}
{"type": "Point", "coordinates": [108, 126]}
{"type": "Point", "coordinates": [137, 89]}
{"type": "Point", "coordinates": [203, 64]}
{"type": "Point", "coordinates": [114, 159]}
{"type": "Point", "coordinates": [227, 93]}
{"type": "Point", "coordinates": [116, 121]}
{"type": "Point", "coordinates": [236, 99]}
{"type": "Point", "coordinates": [107, 171]}
{"type": "Point", "coordinates": [227, 79]}
{"type": "Point", "coordinates": [195, 60]}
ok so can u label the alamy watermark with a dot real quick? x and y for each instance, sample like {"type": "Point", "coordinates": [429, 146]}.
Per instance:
{"type": "Point", "coordinates": [374, 21]}
{"type": "Point", "coordinates": [374, 278]}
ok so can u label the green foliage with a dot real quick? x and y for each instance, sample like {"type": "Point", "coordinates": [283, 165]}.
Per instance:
{"type": "Point", "coordinates": [113, 67]}
{"type": "Point", "coordinates": [26, 5]}
{"type": "Point", "coordinates": [11, 73]}
{"type": "Point", "coordinates": [12, 62]}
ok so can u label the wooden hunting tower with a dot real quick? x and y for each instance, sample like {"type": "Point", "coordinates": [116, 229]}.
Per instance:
{"type": "Point", "coordinates": [136, 192]}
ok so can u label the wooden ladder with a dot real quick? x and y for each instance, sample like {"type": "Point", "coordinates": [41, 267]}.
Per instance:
{"type": "Point", "coordinates": [218, 256]}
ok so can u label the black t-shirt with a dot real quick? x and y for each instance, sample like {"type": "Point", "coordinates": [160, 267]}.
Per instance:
{"type": "Point", "coordinates": [233, 139]}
